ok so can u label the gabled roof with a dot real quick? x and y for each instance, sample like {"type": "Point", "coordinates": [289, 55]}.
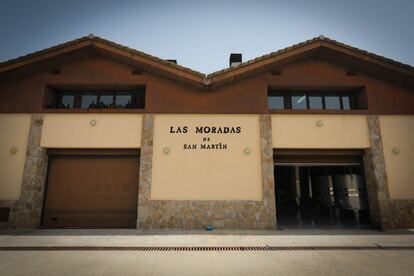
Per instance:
{"type": "Point", "coordinates": [319, 41]}
{"type": "Point", "coordinates": [321, 46]}
{"type": "Point", "coordinates": [144, 60]}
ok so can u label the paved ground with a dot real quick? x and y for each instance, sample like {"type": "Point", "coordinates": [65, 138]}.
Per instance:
{"type": "Point", "coordinates": [373, 260]}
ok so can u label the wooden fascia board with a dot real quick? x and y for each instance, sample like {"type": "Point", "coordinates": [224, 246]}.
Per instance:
{"type": "Point", "coordinates": [42, 56]}
{"type": "Point", "coordinates": [265, 63]}
{"type": "Point", "coordinates": [367, 58]}
{"type": "Point", "coordinates": [149, 63]}
{"type": "Point", "coordinates": [199, 80]}
{"type": "Point", "coordinates": [238, 73]}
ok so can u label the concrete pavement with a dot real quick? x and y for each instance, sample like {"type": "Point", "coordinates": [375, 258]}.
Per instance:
{"type": "Point", "coordinates": [374, 261]}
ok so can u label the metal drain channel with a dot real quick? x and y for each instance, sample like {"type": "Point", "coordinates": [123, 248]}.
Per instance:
{"type": "Point", "coordinates": [199, 248]}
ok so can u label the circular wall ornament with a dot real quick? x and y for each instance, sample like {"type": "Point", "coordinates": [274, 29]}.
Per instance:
{"type": "Point", "coordinates": [247, 151]}
{"type": "Point", "coordinates": [396, 151]}
{"type": "Point", "coordinates": [319, 123]}
{"type": "Point", "coordinates": [13, 150]}
{"type": "Point", "coordinates": [166, 150]}
{"type": "Point", "coordinates": [93, 122]}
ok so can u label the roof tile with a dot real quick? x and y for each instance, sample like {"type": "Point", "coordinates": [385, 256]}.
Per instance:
{"type": "Point", "coordinates": [206, 78]}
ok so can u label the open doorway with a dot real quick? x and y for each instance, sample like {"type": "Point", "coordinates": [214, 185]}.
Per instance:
{"type": "Point", "coordinates": [314, 193]}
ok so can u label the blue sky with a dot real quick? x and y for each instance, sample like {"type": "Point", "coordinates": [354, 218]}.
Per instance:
{"type": "Point", "coordinates": [202, 34]}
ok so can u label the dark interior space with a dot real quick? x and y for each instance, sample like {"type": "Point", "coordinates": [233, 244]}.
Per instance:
{"type": "Point", "coordinates": [320, 196]}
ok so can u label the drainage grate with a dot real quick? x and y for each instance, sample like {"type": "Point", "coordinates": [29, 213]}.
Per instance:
{"type": "Point", "coordinates": [199, 248]}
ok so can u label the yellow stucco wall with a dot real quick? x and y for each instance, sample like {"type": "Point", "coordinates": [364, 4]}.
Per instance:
{"type": "Point", "coordinates": [76, 131]}
{"type": "Point", "coordinates": [302, 131]}
{"type": "Point", "coordinates": [14, 133]}
{"type": "Point", "coordinates": [206, 174]}
{"type": "Point", "coordinates": [398, 132]}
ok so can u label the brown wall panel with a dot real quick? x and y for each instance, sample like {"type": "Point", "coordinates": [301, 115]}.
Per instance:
{"type": "Point", "coordinates": [163, 95]}
{"type": "Point", "coordinates": [248, 96]}
{"type": "Point", "coordinates": [23, 94]}
{"type": "Point", "coordinates": [382, 96]}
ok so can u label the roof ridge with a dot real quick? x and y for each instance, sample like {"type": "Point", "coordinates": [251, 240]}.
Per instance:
{"type": "Point", "coordinates": [48, 49]}
{"type": "Point", "coordinates": [262, 57]}
{"type": "Point", "coordinates": [141, 53]}
{"type": "Point", "coordinates": [206, 79]}
{"type": "Point", "coordinates": [365, 52]}
{"type": "Point", "coordinates": [92, 37]}
{"type": "Point", "coordinates": [320, 38]}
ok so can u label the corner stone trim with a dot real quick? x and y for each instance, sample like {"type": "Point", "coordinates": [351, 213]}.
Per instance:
{"type": "Point", "coordinates": [169, 214]}
{"type": "Point", "coordinates": [385, 212]}
{"type": "Point", "coordinates": [375, 174]}
{"type": "Point", "coordinates": [145, 173]}
{"type": "Point", "coordinates": [26, 212]}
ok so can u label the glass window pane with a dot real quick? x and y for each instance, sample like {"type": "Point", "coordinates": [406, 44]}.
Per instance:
{"type": "Point", "coordinates": [122, 100]}
{"type": "Point", "coordinates": [68, 100]}
{"type": "Point", "coordinates": [88, 101]}
{"type": "Point", "coordinates": [315, 102]}
{"type": "Point", "coordinates": [346, 102]}
{"type": "Point", "coordinates": [299, 102]}
{"type": "Point", "coordinates": [276, 102]}
{"type": "Point", "coordinates": [107, 100]}
{"type": "Point", "coordinates": [332, 102]}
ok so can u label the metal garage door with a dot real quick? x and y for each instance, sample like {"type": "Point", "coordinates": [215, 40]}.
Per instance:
{"type": "Point", "coordinates": [92, 190]}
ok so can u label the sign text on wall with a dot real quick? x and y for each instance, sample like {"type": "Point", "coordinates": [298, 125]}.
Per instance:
{"type": "Point", "coordinates": [207, 142]}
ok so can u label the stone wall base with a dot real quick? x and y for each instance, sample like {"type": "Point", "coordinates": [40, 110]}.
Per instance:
{"type": "Point", "coordinates": [200, 214]}
{"type": "Point", "coordinates": [397, 214]}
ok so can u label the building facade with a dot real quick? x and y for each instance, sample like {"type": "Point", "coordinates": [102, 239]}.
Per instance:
{"type": "Point", "coordinates": [97, 135]}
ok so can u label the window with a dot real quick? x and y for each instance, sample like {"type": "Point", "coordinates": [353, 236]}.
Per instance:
{"type": "Point", "coordinates": [88, 100]}
{"type": "Point", "coordinates": [346, 102]}
{"type": "Point", "coordinates": [72, 98]}
{"type": "Point", "coordinates": [276, 102]}
{"type": "Point", "coordinates": [332, 102]}
{"type": "Point", "coordinates": [107, 101]}
{"type": "Point", "coordinates": [315, 100]}
{"type": "Point", "coordinates": [68, 101]}
{"type": "Point", "coordinates": [299, 102]}
{"type": "Point", "coordinates": [123, 100]}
